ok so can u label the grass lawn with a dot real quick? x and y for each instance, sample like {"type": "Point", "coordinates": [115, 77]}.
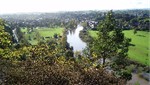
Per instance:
{"type": "Point", "coordinates": [93, 33]}
{"type": "Point", "coordinates": [23, 30]}
{"type": "Point", "coordinates": [139, 52]}
{"type": "Point", "coordinates": [45, 32]}
{"type": "Point", "coordinates": [42, 32]}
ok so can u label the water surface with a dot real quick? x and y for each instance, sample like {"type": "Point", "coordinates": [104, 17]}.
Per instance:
{"type": "Point", "coordinates": [74, 40]}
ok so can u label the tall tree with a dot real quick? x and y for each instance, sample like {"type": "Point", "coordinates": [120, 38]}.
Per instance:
{"type": "Point", "coordinates": [110, 42]}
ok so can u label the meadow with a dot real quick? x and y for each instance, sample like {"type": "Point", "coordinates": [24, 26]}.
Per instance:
{"type": "Point", "coordinates": [139, 51]}
{"type": "Point", "coordinates": [40, 34]}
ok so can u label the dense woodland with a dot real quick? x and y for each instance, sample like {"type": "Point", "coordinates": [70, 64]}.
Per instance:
{"type": "Point", "coordinates": [53, 62]}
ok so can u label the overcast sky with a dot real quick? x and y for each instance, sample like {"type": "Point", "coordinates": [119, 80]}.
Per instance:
{"type": "Point", "coordinates": [19, 6]}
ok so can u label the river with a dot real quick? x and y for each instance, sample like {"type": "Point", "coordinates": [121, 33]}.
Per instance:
{"type": "Point", "coordinates": [74, 40]}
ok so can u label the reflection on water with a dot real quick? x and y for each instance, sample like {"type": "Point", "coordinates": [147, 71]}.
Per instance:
{"type": "Point", "coordinates": [74, 40]}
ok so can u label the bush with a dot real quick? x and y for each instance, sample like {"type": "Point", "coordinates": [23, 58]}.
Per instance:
{"type": "Point", "coordinates": [61, 72]}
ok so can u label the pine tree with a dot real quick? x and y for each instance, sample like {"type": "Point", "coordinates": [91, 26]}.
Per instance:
{"type": "Point", "coordinates": [110, 42]}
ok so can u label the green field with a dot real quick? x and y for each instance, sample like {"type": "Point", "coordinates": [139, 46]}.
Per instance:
{"type": "Point", "coordinates": [38, 34]}
{"type": "Point", "coordinates": [139, 52]}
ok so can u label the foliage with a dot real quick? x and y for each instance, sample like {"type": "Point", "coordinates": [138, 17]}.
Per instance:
{"type": "Point", "coordinates": [43, 64]}
{"type": "Point", "coordinates": [71, 24]}
{"type": "Point", "coordinates": [5, 39]}
{"type": "Point", "coordinates": [61, 72]}
{"type": "Point", "coordinates": [102, 45]}
{"type": "Point", "coordinates": [46, 64]}
{"type": "Point", "coordinates": [110, 41]}
{"type": "Point", "coordinates": [111, 44]}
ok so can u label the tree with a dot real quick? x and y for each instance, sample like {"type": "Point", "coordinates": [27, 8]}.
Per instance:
{"type": "Point", "coordinates": [5, 39]}
{"type": "Point", "coordinates": [110, 42]}
{"type": "Point", "coordinates": [102, 45]}
{"type": "Point", "coordinates": [71, 24]}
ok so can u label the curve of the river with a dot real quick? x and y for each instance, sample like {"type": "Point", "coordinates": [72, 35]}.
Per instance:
{"type": "Point", "coordinates": [74, 40]}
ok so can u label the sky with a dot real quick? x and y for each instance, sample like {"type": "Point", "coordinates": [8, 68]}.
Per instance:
{"type": "Point", "coordinates": [24, 6]}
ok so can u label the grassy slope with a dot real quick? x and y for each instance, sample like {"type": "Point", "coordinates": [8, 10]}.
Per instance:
{"type": "Point", "coordinates": [44, 32]}
{"type": "Point", "coordinates": [140, 51]}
